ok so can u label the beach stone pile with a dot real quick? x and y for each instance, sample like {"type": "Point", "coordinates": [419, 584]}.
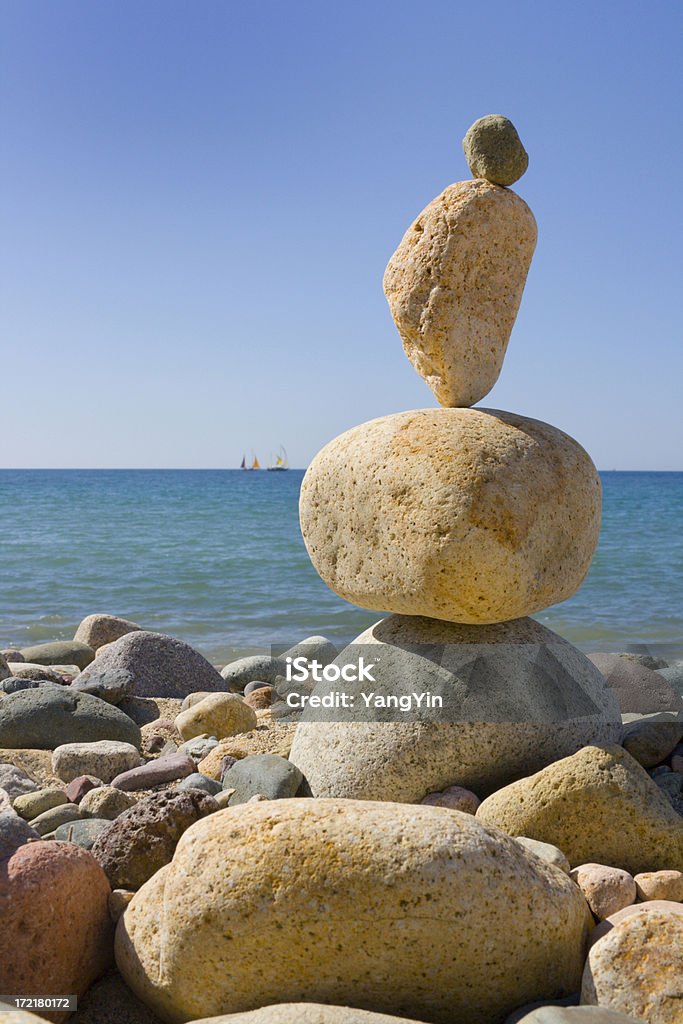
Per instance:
{"type": "Point", "coordinates": [460, 521]}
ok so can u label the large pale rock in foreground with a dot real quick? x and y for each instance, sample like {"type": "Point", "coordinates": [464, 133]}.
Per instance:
{"type": "Point", "coordinates": [455, 283]}
{"type": "Point", "coordinates": [303, 1013]}
{"type": "Point", "coordinates": [637, 967]}
{"type": "Point", "coordinates": [598, 805]}
{"type": "Point", "coordinates": [516, 696]}
{"type": "Point", "coordinates": [469, 515]}
{"type": "Point", "coordinates": [391, 913]}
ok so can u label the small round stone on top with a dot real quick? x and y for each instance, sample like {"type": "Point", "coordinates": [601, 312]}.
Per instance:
{"type": "Point", "coordinates": [494, 151]}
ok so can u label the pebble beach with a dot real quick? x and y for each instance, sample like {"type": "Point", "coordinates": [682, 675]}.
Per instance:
{"type": "Point", "coordinates": [188, 835]}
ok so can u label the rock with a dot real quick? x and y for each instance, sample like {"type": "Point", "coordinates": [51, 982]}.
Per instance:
{"type": "Point", "coordinates": [9, 654]}
{"type": "Point", "coordinates": [96, 630]}
{"type": "Point", "coordinates": [455, 798]}
{"type": "Point", "coordinates": [5, 802]}
{"type": "Point", "coordinates": [494, 150]}
{"type": "Point", "coordinates": [15, 782]}
{"type": "Point", "coordinates": [303, 1013]}
{"type": "Point", "coordinates": [14, 832]}
{"type": "Point", "coordinates": [454, 286]}
{"type": "Point", "coordinates": [637, 968]}
{"type": "Point", "coordinates": [56, 934]}
{"type": "Point", "coordinates": [110, 684]}
{"type": "Point", "coordinates": [660, 885]}
{"type": "Point", "coordinates": [194, 698]}
{"type": "Point", "coordinates": [48, 717]}
{"type": "Point", "coordinates": [59, 652]}
{"type": "Point", "coordinates": [516, 697]}
{"type": "Point", "coordinates": [606, 889]}
{"type": "Point", "coordinates": [258, 667]}
{"type": "Point", "coordinates": [106, 802]}
{"type": "Point", "coordinates": [30, 805]}
{"type": "Point", "coordinates": [651, 740]}
{"type": "Point", "coordinates": [199, 781]}
{"type": "Point", "coordinates": [118, 901]}
{"type": "Point", "coordinates": [546, 851]}
{"type": "Point", "coordinates": [160, 665]}
{"type": "Point", "coordinates": [38, 673]}
{"type": "Point", "coordinates": [371, 869]}
{"type": "Point", "coordinates": [50, 820]}
{"type": "Point", "coordinates": [267, 774]}
{"type": "Point", "coordinates": [110, 1001]}
{"type": "Point", "coordinates": [257, 684]}
{"type": "Point", "coordinates": [395, 518]}
{"type": "Point", "coordinates": [646, 660]}
{"type": "Point", "coordinates": [82, 833]}
{"type": "Point", "coordinates": [606, 926]}
{"type": "Point", "coordinates": [198, 747]}
{"type": "Point", "coordinates": [19, 1017]}
{"type": "Point", "coordinates": [155, 773]}
{"type": "Point", "coordinates": [598, 805]}
{"type": "Point", "coordinates": [15, 683]}
{"type": "Point", "coordinates": [156, 735]}
{"type": "Point", "coordinates": [223, 798]}
{"type": "Point", "coordinates": [260, 698]}
{"type": "Point", "coordinates": [673, 676]}
{"type": "Point", "coordinates": [151, 710]}
{"type": "Point", "coordinates": [262, 740]}
{"type": "Point", "coordinates": [142, 840]}
{"type": "Point", "coordinates": [105, 759]}
{"type": "Point", "coordinates": [219, 714]}
{"type": "Point", "coordinates": [638, 689]}
{"type": "Point", "coordinates": [80, 787]}
{"type": "Point", "coordinates": [564, 1013]}
{"type": "Point", "coordinates": [313, 648]}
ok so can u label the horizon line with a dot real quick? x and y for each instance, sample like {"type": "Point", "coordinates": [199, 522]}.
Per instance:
{"type": "Point", "coordinates": [215, 469]}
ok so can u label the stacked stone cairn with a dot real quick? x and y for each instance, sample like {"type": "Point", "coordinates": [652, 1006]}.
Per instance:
{"type": "Point", "coordinates": [461, 521]}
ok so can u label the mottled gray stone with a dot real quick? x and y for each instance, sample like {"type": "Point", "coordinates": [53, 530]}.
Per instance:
{"type": "Point", "coordinates": [494, 150]}
{"type": "Point", "coordinates": [268, 775]}
{"type": "Point", "coordinates": [59, 652]}
{"type": "Point", "coordinates": [50, 716]}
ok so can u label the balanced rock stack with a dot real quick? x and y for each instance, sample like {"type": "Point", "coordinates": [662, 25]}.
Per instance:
{"type": "Point", "coordinates": [460, 521]}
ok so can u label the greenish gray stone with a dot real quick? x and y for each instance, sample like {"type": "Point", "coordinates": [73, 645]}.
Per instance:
{"type": "Point", "coordinates": [494, 151]}
{"type": "Point", "coordinates": [674, 677]}
{"type": "Point", "coordinates": [82, 833]}
{"type": "Point", "coordinates": [198, 747]}
{"type": "Point", "coordinates": [49, 716]}
{"type": "Point", "coordinates": [268, 775]}
{"type": "Point", "coordinates": [50, 820]}
{"type": "Point", "coordinates": [60, 652]}
{"type": "Point", "coordinates": [199, 781]}
{"type": "Point", "coordinates": [30, 805]}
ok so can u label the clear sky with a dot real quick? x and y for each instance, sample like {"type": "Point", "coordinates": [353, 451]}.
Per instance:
{"type": "Point", "coordinates": [199, 199]}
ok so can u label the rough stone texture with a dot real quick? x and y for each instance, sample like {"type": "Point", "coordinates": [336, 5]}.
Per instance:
{"type": "Point", "coordinates": [98, 629]}
{"type": "Point", "coordinates": [15, 683]}
{"type": "Point", "coordinates": [304, 1013]}
{"type": "Point", "coordinates": [161, 665]}
{"type": "Point", "coordinates": [104, 759]}
{"type": "Point", "coordinates": [51, 819]}
{"type": "Point", "coordinates": [259, 698]}
{"type": "Point", "coordinates": [14, 832]}
{"type": "Point", "coordinates": [455, 798]}
{"type": "Point", "coordinates": [36, 765]}
{"type": "Point", "coordinates": [4, 668]}
{"type": "Point", "coordinates": [637, 968]}
{"type": "Point", "coordinates": [647, 660]}
{"type": "Point", "coordinates": [373, 871]}
{"type": "Point", "coordinates": [546, 851]}
{"type": "Point", "coordinates": [266, 774]}
{"type": "Point", "coordinates": [56, 933]}
{"type": "Point", "coordinates": [50, 716]}
{"type": "Point", "coordinates": [219, 714]}
{"type": "Point", "coordinates": [59, 652]}
{"type": "Point", "coordinates": [516, 697]}
{"type": "Point", "coordinates": [198, 747]}
{"type": "Point", "coordinates": [470, 515]}
{"type": "Point", "coordinates": [83, 832]}
{"type": "Point", "coordinates": [80, 786]}
{"type": "Point", "coordinates": [609, 923]}
{"type": "Point", "coordinates": [199, 781]}
{"type": "Point", "coordinates": [44, 673]}
{"type": "Point", "coordinates": [570, 1015]}
{"type": "Point", "coordinates": [30, 805]}
{"type": "Point", "coordinates": [256, 667]}
{"type": "Point", "coordinates": [650, 740]}
{"type": "Point", "coordinates": [607, 889]}
{"type": "Point", "coordinates": [455, 283]}
{"type": "Point", "coordinates": [151, 710]}
{"type": "Point", "coordinates": [660, 885]}
{"type": "Point", "coordinates": [15, 781]}
{"type": "Point", "coordinates": [142, 840]}
{"type": "Point", "coordinates": [598, 805]}
{"type": "Point", "coordinates": [672, 675]}
{"type": "Point", "coordinates": [106, 802]}
{"type": "Point", "coordinates": [265, 739]}
{"type": "Point", "coordinates": [155, 773]}
{"type": "Point", "coordinates": [638, 689]}
{"type": "Point", "coordinates": [110, 684]}
{"type": "Point", "coordinates": [494, 150]}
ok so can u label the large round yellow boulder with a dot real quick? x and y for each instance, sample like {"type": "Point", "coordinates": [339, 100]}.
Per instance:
{"type": "Point", "coordinates": [468, 515]}
{"type": "Point", "coordinates": [412, 910]}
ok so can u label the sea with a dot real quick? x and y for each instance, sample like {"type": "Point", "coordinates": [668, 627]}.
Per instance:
{"type": "Point", "coordinates": [216, 558]}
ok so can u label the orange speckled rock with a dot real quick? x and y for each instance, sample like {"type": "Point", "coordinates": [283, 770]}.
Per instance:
{"type": "Point", "coordinates": [56, 934]}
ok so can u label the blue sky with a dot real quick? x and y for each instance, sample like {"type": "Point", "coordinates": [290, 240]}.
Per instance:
{"type": "Point", "coordinates": [199, 199]}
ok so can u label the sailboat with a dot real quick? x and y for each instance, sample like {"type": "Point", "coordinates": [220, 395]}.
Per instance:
{"type": "Point", "coordinates": [279, 464]}
{"type": "Point", "coordinates": [255, 464]}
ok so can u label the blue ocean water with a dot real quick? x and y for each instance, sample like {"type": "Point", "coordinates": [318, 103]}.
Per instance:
{"type": "Point", "coordinates": [216, 558]}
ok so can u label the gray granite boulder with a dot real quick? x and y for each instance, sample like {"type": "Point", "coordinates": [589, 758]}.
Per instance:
{"type": "Point", "coordinates": [160, 665]}
{"type": "Point", "coordinates": [515, 697]}
{"type": "Point", "coordinates": [110, 684]}
{"type": "Point", "coordinates": [50, 716]}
